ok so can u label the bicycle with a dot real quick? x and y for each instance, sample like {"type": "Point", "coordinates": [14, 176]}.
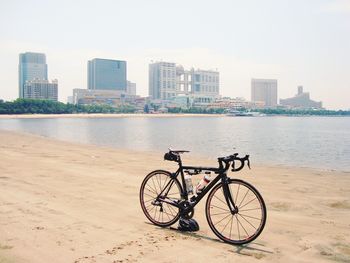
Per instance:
{"type": "Point", "coordinates": [235, 210]}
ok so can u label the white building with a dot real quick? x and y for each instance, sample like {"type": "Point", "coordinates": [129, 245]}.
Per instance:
{"type": "Point", "coordinates": [166, 81]}
{"type": "Point", "coordinates": [264, 91]}
{"type": "Point", "coordinates": [89, 96]}
{"type": "Point", "coordinates": [112, 98]}
{"type": "Point", "coordinates": [235, 103]}
{"type": "Point", "coordinates": [162, 80]}
{"type": "Point", "coordinates": [41, 89]}
{"type": "Point", "coordinates": [205, 86]}
{"type": "Point", "coordinates": [131, 88]}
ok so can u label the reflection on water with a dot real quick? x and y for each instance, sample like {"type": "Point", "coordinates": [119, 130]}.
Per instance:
{"type": "Point", "coordinates": [322, 142]}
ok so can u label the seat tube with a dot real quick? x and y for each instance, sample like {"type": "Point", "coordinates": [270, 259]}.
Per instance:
{"type": "Point", "coordinates": [184, 193]}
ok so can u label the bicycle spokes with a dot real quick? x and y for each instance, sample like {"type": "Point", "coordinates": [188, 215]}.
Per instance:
{"type": "Point", "coordinates": [158, 192]}
{"type": "Point", "coordinates": [245, 221]}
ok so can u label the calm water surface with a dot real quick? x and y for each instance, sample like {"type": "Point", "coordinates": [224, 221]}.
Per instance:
{"type": "Point", "coordinates": [320, 142]}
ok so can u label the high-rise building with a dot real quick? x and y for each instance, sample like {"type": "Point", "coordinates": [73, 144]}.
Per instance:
{"type": "Point", "coordinates": [166, 81]}
{"type": "Point", "coordinates": [31, 66]}
{"type": "Point", "coordinates": [40, 89]}
{"type": "Point", "coordinates": [131, 88]}
{"type": "Point", "coordinates": [205, 85]}
{"type": "Point", "coordinates": [264, 90]}
{"type": "Point", "coordinates": [107, 74]}
{"type": "Point", "coordinates": [162, 80]}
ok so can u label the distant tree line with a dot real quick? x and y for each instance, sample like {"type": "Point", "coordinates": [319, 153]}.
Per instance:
{"type": "Point", "coordinates": [290, 112]}
{"type": "Point", "coordinates": [31, 106]}
{"type": "Point", "coordinates": [196, 110]}
{"type": "Point", "coordinates": [313, 112]}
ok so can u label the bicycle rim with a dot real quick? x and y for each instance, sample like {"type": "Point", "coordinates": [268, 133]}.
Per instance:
{"type": "Point", "coordinates": [243, 226]}
{"type": "Point", "coordinates": [158, 212]}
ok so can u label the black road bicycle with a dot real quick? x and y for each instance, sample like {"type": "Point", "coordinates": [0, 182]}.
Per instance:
{"type": "Point", "coordinates": [235, 210]}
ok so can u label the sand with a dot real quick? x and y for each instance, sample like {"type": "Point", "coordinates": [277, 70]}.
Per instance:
{"type": "Point", "coordinates": [64, 202]}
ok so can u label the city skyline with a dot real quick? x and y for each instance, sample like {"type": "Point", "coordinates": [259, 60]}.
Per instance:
{"type": "Point", "coordinates": [296, 43]}
{"type": "Point", "coordinates": [108, 67]}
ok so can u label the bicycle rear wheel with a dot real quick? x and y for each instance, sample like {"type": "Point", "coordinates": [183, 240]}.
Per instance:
{"type": "Point", "coordinates": [243, 226]}
{"type": "Point", "coordinates": [156, 190]}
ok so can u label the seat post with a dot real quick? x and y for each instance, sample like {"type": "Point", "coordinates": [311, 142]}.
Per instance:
{"type": "Point", "coordinates": [180, 161]}
{"type": "Point", "coordinates": [182, 175]}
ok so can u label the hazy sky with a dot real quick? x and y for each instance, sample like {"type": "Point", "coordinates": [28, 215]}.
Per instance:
{"type": "Point", "coordinates": [297, 42]}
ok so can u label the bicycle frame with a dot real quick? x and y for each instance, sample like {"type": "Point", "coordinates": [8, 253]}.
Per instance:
{"type": "Point", "coordinates": [222, 174]}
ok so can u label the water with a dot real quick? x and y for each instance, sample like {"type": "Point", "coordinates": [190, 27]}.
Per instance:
{"type": "Point", "coordinates": [318, 142]}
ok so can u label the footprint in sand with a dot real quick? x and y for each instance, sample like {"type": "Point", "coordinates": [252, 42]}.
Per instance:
{"type": "Point", "coordinates": [343, 204]}
{"type": "Point", "coordinates": [281, 206]}
{"type": "Point", "coordinates": [327, 222]}
{"type": "Point", "coordinates": [38, 228]}
{"type": "Point", "coordinates": [5, 247]}
{"type": "Point", "coordinates": [304, 244]}
{"type": "Point", "coordinates": [339, 252]}
{"type": "Point", "coordinates": [344, 249]}
{"type": "Point", "coordinates": [121, 251]}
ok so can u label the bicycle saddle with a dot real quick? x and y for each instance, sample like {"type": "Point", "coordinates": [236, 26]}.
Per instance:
{"type": "Point", "coordinates": [178, 151]}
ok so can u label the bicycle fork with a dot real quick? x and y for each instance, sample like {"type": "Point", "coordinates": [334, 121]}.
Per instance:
{"type": "Point", "coordinates": [228, 196]}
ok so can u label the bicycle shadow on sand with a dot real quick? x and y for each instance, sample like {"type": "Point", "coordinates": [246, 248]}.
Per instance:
{"type": "Point", "coordinates": [253, 249]}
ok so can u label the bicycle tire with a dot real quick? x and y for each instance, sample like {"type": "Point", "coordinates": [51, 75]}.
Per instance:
{"type": "Point", "coordinates": [162, 214]}
{"type": "Point", "coordinates": [254, 212]}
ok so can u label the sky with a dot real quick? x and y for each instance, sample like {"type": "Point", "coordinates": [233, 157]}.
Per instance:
{"type": "Point", "coordinates": [296, 42]}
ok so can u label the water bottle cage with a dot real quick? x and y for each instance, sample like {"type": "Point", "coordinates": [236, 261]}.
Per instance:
{"type": "Point", "coordinates": [194, 172]}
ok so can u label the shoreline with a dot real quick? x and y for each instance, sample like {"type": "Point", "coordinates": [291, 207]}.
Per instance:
{"type": "Point", "coordinates": [191, 155]}
{"type": "Point", "coordinates": [148, 115]}
{"type": "Point", "coordinates": [106, 115]}
{"type": "Point", "coordinates": [79, 203]}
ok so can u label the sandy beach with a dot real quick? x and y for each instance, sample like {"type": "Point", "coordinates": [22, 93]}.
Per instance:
{"type": "Point", "coordinates": [65, 202]}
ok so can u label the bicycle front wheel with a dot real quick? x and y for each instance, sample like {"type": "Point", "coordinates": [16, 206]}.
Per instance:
{"type": "Point", "coordinates": [157, 193]}
{"type": "Point", "coordinates": [243, 226]}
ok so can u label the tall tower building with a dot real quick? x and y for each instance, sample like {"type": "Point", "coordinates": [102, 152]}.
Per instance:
{"type": "Point", "coordinates": [31, 66]}
{"type": "Point", "coordinates": [162, 80]}
{"type": "Point", "coordinates": [264, 90]}
{"type": "Point", "coordinates": [107, 74]}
